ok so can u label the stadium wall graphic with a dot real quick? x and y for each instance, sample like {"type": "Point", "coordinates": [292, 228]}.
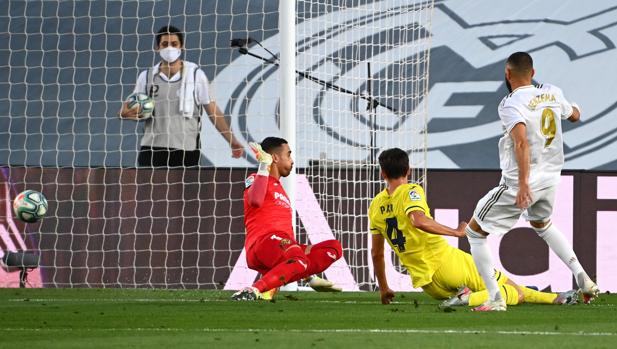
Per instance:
{"type": "Point", "coordinates": [65, 85]}
{"type": "Point", "coordinates": [117, 228]}
{"type": "Point", "coordinates": [469, 44]}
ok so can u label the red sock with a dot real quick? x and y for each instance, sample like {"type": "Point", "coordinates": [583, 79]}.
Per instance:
{"type": "Point", "coordinates": [291, 269]}
{"type": "Point", "coordinates": [322, 255]}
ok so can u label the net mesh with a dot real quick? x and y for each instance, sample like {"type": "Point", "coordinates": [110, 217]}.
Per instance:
{"type": "Point", "coordinates": [68, 66]}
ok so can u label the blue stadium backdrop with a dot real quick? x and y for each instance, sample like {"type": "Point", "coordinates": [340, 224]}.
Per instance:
{"type": "Point", "coordinates": [49, 60]}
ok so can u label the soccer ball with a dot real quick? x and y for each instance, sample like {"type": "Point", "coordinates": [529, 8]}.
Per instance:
{"type": "Point", "coordinates": [30, 206]}
{"type": "Point", "coordinates": [143, 102]}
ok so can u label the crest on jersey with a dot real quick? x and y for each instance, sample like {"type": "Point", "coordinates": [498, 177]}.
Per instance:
{"type": "Point", "coordinates": [249, 181]}
{"type": "Point", "coordinates": [414, 196]}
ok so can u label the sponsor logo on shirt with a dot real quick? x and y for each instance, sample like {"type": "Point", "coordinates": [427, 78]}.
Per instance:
{"type": "Point", "coordinates": [249, 181]}
{"type": "Point", "coordinates": [414, 196]}
{"type": "Point", "coordinates": [281, 200]}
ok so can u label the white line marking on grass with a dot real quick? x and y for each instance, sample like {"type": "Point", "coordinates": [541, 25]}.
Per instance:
{"type": "Point", "coordinates": [334, 330]}
{"type": "Point", "coordinates": [210, 300]}
{"type": "Point", "coordinates": [114, 300]}
{"type": "Point", "coordinates": [175, 300]}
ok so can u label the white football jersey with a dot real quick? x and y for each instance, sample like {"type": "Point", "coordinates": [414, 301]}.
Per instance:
{"type": "Point", "coordinates": [541, 108]}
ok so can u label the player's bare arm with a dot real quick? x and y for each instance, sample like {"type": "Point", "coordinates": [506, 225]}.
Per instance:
{"type": "Point", "coordinates": [521, 151]}
{"type": "Point", "coordinates": [218, 119]}
{"type": "Point", "coordinates": [377, 253]}
{"type": "Point", "coordinates": [431, 226]}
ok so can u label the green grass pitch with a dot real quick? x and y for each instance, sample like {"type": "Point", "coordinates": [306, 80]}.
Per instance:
{"type": "Point", "coordinates": [116, 318]}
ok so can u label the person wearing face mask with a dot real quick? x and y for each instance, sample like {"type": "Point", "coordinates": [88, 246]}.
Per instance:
{"type": "Point", "coordinates": [180, 90]}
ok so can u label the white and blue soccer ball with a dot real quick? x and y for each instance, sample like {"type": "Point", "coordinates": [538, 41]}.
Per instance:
{"type": "Point", "coordinates": [143, 102]}
{"type": "Point", "coordinates": [30, 206]}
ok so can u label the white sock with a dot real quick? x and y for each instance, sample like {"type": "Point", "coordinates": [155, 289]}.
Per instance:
{"type": "Point", "coordinates": [481, 254]}
{"type": "Point", "coordinates": [562, 248]}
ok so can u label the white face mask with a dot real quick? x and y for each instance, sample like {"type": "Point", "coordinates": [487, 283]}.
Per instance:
{"type": "Point", "coordinates": [170, 54]}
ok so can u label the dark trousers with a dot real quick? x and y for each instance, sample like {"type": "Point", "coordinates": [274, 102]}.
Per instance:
{"type": "Point", "coordinates": [167, 157]}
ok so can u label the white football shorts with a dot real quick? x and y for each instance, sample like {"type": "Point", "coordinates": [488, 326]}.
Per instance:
{"type": "Point", "coordinates": [496, 212]}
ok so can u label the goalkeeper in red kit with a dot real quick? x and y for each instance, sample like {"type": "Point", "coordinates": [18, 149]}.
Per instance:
{"type": "Point", "coordinates": [271, 248]}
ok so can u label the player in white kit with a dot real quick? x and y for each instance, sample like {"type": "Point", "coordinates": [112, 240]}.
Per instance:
{"type": "Point", "coordinates": [531, 158]}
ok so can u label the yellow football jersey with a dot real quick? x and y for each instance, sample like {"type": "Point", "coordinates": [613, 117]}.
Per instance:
{"type": "Point", "coordinates": [420, 252]}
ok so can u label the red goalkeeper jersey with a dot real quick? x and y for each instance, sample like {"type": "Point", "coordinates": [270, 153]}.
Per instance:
{"type": "Point", "coordinates": [273, 216]}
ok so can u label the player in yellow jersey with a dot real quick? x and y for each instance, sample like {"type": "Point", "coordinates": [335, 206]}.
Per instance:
{"type": "Point", "coordinates": [400, 215]}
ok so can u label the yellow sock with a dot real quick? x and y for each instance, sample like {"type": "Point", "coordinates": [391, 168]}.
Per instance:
{"type": "Point", "coordinates": [537, 297]}
{"type": "Point", "coordinates": [508, 292]}
{"type": "Point", "coordinates": [269, 295]}
{"type": "Point", "coordinates": [477, 298]}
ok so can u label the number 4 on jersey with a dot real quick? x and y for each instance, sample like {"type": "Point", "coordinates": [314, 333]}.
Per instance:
{"type": "Point", "coordinates": [395, 236]}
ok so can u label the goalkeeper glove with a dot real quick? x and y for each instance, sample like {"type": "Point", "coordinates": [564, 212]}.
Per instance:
{"type": "Point", "coordinates": [265, 159]}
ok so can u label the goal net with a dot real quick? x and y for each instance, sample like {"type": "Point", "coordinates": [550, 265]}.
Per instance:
{"type": "Point", "coordinates": [375, 59]}
{"type": "Point", "coordinates": [68, 66]}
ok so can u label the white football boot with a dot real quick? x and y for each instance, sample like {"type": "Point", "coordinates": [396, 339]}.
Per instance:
{"type": "Point", "coordinates": [460, 298]}
{"type": "Point", "coordinates": [322, 285]}
{"type": "Point", "coordinates": [496, 305]}
{"type": "Point", "coordinates": [587, 288]}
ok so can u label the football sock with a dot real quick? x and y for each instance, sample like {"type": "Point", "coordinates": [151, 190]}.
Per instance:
{"type": "Point", "coordinates": [537, 297]}
{"type": "Point", "coordinates": [508, 292]}
{"type": "Point", "coordinates": [562, 248]}
{"type": "Point", "coordinates": [482, 257]}
{"type": "Point", "coordinates": [322, 255]}
{"type": "Point", "coordinates": [291, 269]}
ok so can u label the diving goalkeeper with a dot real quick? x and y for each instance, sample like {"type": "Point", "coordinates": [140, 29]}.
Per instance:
{"type": "Point", "coordinates": [271, 248]}
{"type": "Point", "coordinates": [400, 215]}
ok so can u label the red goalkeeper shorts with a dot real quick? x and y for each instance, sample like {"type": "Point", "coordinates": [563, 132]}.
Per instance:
{"type": "Point", "coordinates": [268, 252]}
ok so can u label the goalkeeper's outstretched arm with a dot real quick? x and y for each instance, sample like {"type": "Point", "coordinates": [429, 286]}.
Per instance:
{"type": "Point", "coordinates": [257, 191]}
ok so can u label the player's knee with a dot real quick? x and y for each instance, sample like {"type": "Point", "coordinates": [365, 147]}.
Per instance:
{"type": "Point", "coordinates": [336, 248]}
{"type": "Point", "coordinates": [540, 226]}
{"type": "Point", "coordinates": [519, 290]}
{"type": "Point", "coordinates": [332, 248]}
{"type": "Point", "coordinates": [473, 235]}
{"type": "Point", "coordinates": [302, 261]}
{"type": "Point", "coordinates": [521, 296]}
{"type": "Point", "coordinates": [295, 254]}
{"type": "Point", "coordinates": [293, 250]}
